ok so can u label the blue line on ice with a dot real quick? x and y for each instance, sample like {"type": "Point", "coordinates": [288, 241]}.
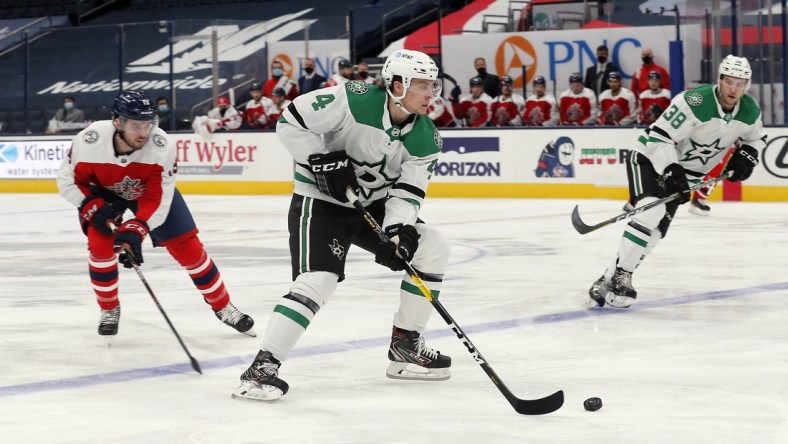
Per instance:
{"type": "Point", "coordinates": [242, 361]}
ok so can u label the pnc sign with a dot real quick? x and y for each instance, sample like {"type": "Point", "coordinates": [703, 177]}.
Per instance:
{"type": "Point", "coordinates": [514, 53]}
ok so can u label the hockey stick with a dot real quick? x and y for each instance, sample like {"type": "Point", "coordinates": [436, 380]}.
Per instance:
{"type": "Point", "coordinates": [195, 364]}
{"type": "Point", "coordinates": [541, 406]}
{"type": "Point", "coordinates": [582, 228]}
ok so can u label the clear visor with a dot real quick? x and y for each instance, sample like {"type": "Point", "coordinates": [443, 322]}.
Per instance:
{"type": "Point", "coordinates": [138, 126]}
{"type": "Point", "coordinates": [425, 86]}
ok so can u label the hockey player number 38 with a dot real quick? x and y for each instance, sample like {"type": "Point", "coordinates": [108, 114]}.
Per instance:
{"type": "Point", "coordinates": [679, 117]}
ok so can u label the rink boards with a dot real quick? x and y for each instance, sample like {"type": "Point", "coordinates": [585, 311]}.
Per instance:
{"type": "Point", "coordinates": [521, 162]}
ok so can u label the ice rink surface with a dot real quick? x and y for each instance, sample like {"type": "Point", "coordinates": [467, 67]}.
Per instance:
{"type": "Point", "coordinates": [701, 357]}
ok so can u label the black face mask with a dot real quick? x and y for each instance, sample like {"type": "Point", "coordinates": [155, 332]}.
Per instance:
{"type": "Point", "coordinates": [602, 59]}
{"type": "Point", "coordinates": [647, 60]}
{"type": "Point", "coordinates": [482, 72]}
{"type": "Point", "coordinates": [363, 74]}
{"type": "Point", "coordinates": [309, 70]}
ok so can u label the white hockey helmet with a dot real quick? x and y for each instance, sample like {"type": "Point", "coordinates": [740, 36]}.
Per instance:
{"type": "Point", "coordinates": [409, 65]}
{"type": "Point", "coordinates": [737, 67]}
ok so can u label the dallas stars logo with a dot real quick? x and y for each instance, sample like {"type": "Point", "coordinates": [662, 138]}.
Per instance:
{"type": "Point", "coordinates": [337, 249]}
{"type": "Point", "coordinates": [129, 189]}
{"type": "Point", "coordinates": [373, 176]}
{"type": "Point", "coordinates": [357, 87]}
{"type": "Point", "coordinates": [702, 152]}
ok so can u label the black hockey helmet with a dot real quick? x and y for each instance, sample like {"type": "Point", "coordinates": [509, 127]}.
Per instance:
{"type": "Point", "coordinates": [575, 77]}
{"type": "Point", "coordinates": [614, 75]}
{"type": "Point", "coordinates": [540, 80]}
{"type": "Point", "coordinates": [477, 81]}
{"type": "Point", "coordinates": [278, 91]}
{"type": "Point", "coordinates": [655, 75]}
{"type": "Point", "coordinates": [344, 63]}
{"type": "Point", "coordinates": [135, 105]}
{"type": "Point", "coordinates": [507, 80]}
{"type": "Point", "coordinates": [256, 87]}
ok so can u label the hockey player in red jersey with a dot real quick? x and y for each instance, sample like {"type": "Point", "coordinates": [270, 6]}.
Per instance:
{"type": "Point", "coordinates": [507, 107]}
{"type": "Point", "coordinates": [617, 104]}
{"type": "Point", "coordinates": [541, 108]}
{"type": "Point", "coordinates": [475, 106]}
{"type": "Point", "coordinates": [128, 163]}
{"type": "Point", "coordinates": [275, 107]}
{"type": "Point", "coordinates": [578, 105]}
{"type": "Point", "coordinates": [254, 113]}
{"type": "Point", "coordinates": [441, 112]}
{"type": "Point", "coordinates": [653, 101]}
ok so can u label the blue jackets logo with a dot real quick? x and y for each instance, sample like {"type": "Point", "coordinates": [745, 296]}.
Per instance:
{"type": "Point", "coordinates": [476, 153]}
{"type": "Point", "coordinates": [8, 153]}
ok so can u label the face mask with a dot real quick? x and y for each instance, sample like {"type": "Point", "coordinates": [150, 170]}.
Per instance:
{"type": "Point", "coordinates": [163, 108]}
{"type": "Point", "coordinates": [363, 74]}
{"type": "Point", "coordinates": [309, 70]}
{"type": "Point", "coordinates": [647, 60]}
{"type": "Point", "coordinates": [482, 72]}
{"type": "Point", "coordinates": [68, 105]}
{"type": "Point", "coordinates": [277, 72]}
{"type": "Point", "coordinates": [602, 59]}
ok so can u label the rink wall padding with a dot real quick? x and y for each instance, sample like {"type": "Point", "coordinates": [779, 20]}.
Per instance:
{"type": "Point", "coordinates": [481, 163]}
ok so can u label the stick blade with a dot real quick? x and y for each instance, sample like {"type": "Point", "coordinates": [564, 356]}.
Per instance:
{"type": "Point", "coordinates": [541, 406]}
{"type": "Point", "coordinates": [581, 227]}
{"type": "Point", "coordinates": [195, 365]}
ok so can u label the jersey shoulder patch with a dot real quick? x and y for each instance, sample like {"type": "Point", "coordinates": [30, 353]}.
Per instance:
{"type": "Point", "coordinates": [702, 103]}
{"type": "Point", "coordinates": [424, 139]}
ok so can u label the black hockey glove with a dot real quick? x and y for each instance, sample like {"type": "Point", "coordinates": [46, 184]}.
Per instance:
{"type": "Point", "coordinates": [95, 211]}
{"type": "Point", "coordinates": [676, 182]}
{"type": "Point", "coordinates": [741, 163]}
{"type": "Point", "coordinates": [129, 239]}
{"type": "Point", "coordinates": [402, 245]}
{"type": "Point", "coordinates": [334, 173]}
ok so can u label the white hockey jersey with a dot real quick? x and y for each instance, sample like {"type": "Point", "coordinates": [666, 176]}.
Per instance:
{"type": "Point", "coordinates": [230, 120]}
{"type": "Point", "coordinates": [388, 159]}
{"type": "Point", "coordinates": [695, 132]}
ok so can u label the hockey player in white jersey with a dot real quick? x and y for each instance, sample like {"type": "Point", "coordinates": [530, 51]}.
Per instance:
{"type": "Point", "coordinates": [379, 141]}
{"type": "Point", "coordinates": [686, 142]}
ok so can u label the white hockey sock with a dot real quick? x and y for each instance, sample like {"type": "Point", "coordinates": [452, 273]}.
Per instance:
{"type": "Point", "coordinates": [414, 308]}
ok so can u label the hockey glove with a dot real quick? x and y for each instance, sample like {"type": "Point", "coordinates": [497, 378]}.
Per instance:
{"type": "Point", "coordinates": [402, 245]}
{"type": "Point", "coordinates": [676, 182]}
{"type": "Point", "coordinates": [129, 240]}
{"type": "Point", "coordinates": [741, 163]}
{"type": "Point", "coordinates": [334, 173]}
{"type": "Point", "coordinates": [95, 211]}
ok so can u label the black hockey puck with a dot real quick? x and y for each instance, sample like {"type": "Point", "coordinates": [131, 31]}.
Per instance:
{"type": "Point", "coordinates": [592, 404]}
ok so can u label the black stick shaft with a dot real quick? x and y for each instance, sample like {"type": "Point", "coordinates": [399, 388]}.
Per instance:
{"type": "Point", "coordinates": [583, 228]}
{"type": "Point", "coordinates": [541, 406]}
{"type": "Point", "coordinates": [195, 364]}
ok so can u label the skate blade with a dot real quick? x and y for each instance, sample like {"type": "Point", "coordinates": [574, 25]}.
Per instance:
{"type": "Point", "coordinates": [253, 392]}
{"type": "Point", "coordinates": [698, 212]}
{"type": "Point", "coordinates": [250, 332]}
{"type": "Point", "coordinates": [413, 372]}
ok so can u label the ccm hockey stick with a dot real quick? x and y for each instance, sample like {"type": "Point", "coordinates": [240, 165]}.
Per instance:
{"type": "Point", "coordinates": [582, 228]}
{"type": "Point", "coordinates": [195, 364]}
{"type": "Point", "coordinates": [541, 406]}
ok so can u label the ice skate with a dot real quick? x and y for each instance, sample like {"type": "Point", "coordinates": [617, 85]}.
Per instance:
{"type": "Point", "coordinates": [596, 294]}
{"type": "Point", "coordinates": [260, 382]}
{"type": "Point", "coordinates": [412, 359]}
{"type": "Point", "coordinates": [108, 324]}
{"type": "Point", "coordinates": [620, 292]}
{"type": "Point", "coordinates": [698, 206]}
{"type": "Point", "coordinates": [236, 319]}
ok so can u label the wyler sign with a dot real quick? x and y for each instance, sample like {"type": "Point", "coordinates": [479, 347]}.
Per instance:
{"type": "Point", "coordinates": [232, 156]}
{"type": "Point", "coordinates": [557, 54]}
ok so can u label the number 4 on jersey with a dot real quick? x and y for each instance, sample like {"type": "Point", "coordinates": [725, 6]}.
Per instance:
{"type": "Point", "coordinates": [322, 101]}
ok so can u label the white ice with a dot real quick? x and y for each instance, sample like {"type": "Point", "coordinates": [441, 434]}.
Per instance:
{"type": "Point", "coordinates": [701, 357]}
